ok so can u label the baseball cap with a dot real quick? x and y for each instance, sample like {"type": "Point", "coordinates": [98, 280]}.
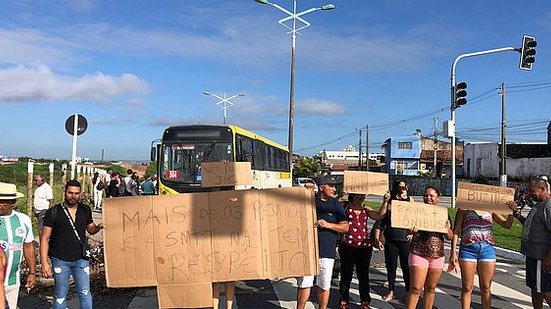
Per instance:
{"type": "Point", "coordinates": [327, 180]}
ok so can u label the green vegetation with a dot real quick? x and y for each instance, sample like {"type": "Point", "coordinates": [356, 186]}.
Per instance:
{"type": "Point", "coordinates": [17, 173]}
{"type": "Point", "coordinates": [306, 167]}
{"type": "Point", "coordinates": [504, 238]}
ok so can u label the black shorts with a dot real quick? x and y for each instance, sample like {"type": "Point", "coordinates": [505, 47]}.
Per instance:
{"type": "Point", "coordinates": [536, 278]}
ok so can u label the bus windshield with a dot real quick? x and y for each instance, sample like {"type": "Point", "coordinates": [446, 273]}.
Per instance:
{"type": "Point", "coordinates": [181, 161]}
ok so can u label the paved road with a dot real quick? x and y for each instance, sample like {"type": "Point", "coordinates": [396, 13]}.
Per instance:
{"type": "Point", "coordinates": [509, 289]}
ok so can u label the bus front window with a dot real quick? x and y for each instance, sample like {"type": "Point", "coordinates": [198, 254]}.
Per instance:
{"type": "Point", "coordinates": [181, 162]}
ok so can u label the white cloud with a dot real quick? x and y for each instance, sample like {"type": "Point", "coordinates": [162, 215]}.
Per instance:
{"type": "Point", "coordinates": [252, 41]}
{"type": "Point", "coordinates": [28, 46]}
{"type": "Point", "coordinates": [319, 107]}
{"type": "Point", "coordinates": [277, 106]}
{"type": "Point", "coordinates": [22, 83]}
{"type": "Point", "coordinates": [545, 22]}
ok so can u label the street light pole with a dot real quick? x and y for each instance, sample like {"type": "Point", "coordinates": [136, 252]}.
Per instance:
{"type": "Point", "coordinates": [294, 16]}
{"type": "Point", "coordinates": [224, 101]}
{"type": "Point", "coordinates": [453, 107]}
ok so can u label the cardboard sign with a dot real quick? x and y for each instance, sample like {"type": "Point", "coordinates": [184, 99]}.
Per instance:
{"type": "Point", "coordinates": [183, 243]}
{"type": "Point", "coordinates": [366, 182]}
{"type": "Point", "coordinates": [222, 174]}
{"type": "Point", "coordinates": [484, 197]}
{"type": "Point", "coordinates": [425, 217]}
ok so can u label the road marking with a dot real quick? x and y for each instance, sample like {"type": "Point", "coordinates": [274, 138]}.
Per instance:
{"type": "Point", "coordinates": [512, 296]}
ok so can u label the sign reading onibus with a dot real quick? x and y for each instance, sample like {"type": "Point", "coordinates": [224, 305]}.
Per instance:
{"type": "Point", "coordinates": [184, 148]}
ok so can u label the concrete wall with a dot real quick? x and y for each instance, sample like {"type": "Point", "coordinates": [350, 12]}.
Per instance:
{"type": "Point", "coordinates": [527, 167]}
{"type": "Point", "coordinates": [483, 160]}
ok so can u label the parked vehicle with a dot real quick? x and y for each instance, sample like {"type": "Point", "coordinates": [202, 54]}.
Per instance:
{"type": "Point", "coordinates": [302, 181]}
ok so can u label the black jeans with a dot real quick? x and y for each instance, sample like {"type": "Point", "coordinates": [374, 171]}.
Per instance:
{"type": "Point", "coordinates": [393, 250]}
{"type": "Point", "coordinates": [361, 258]}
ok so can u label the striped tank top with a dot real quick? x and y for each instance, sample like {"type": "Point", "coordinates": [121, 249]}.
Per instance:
{"type": "Point", "coordinates": [15, 230]}
{"type": "Point", "coordinates": [477, 228]}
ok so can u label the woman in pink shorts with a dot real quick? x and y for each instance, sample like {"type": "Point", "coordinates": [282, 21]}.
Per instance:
{"type": "Point", "coordinates": [426, 258]}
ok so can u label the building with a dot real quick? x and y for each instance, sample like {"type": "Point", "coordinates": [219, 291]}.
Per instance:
{"type": "Point", "coordinates": [524, 160]}
{"type": "Point", "coordinates": [402, 155]}
{"type": "Point", "coordinates": [348, 158]}
{"type": "Point", "coordinates": [443, 152]}
{"type": "Point", "coordinates": [414, 155]}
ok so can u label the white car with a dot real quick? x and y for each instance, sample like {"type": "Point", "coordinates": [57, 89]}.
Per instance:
{"type": "Point", "coordinates": [301, 181]}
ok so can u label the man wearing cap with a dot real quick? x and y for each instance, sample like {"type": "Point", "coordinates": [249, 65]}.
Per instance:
{"type": "Point", "coordinates": [16, 238]}
{"type": "Point", "coordinates": [331, 221]}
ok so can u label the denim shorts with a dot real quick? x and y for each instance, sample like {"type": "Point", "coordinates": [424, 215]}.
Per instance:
{"type": "Point", "coordinates": [477, 252]}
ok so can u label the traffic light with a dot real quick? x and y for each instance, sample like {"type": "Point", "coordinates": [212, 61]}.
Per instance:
{"type": "Point", "coordinates": [460, 94]}
{"type": "Point", "coordinates": [528, 52]}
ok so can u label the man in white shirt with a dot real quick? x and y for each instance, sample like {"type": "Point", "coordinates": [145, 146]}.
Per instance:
{"type": "Point", "coordinates": [43, 199]}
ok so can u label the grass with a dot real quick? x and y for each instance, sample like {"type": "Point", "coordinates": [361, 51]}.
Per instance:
{"type": "Point", "coordinates": [17, 173]}
{"type": "Point", "coordinates": [504, 238]}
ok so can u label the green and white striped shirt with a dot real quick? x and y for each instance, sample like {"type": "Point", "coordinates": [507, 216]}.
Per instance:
{"type": "Point", "coordinates": [15, 230]}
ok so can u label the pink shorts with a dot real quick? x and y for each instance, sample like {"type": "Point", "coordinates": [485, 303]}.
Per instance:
{"type": "Point", "coordinates": [419, 261]}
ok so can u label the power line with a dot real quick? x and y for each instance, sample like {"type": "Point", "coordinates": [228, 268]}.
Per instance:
{"type": "Point", "coordinates": [472, 100]}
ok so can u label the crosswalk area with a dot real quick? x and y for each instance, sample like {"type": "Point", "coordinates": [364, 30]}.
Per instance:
{"type": "Point", "coordinates": [508, 290]}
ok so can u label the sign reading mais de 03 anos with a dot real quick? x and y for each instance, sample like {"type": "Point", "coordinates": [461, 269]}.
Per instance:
{"type": "Point", "coordinates": [183, 243]}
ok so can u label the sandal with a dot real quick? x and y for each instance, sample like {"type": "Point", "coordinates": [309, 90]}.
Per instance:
{"type": "Point", "coordinates": [365, 305]}
{"type": "Point", "coordinates": [343, 304]}
{"type": "Point", "coordinates": [388, 297]}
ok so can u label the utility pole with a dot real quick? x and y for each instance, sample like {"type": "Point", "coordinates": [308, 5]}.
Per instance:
{"type": "Point", "coordinates": [360, 151]}
{"type": "Point", "coordinates": [367, 147]}
{"type": "Point", "coordinates": [435, 145]}
{"type": "Point", "coordinates": [102, 154]}
{"type": "Point", "coordinates": [503, 165]}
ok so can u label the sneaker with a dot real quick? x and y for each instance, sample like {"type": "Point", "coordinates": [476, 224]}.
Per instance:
{"type": "Point", "coordinates": [343, 304]}
{"type": "Point", "coordinates": [365, 305]}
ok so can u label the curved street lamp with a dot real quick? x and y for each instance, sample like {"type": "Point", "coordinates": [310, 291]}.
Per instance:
{"type": "Point", "coordinates": [293, 30]}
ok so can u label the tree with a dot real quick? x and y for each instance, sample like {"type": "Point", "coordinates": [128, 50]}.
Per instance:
{"type": "Point", "coordinates": [306, 167]}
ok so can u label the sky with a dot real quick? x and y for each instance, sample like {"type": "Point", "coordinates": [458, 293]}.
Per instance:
{"type": "Point", "coordinates": [134, 67]}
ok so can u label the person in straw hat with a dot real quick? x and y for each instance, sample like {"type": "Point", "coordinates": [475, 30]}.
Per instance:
{"type": "Point", "coordinates": [16, 239]}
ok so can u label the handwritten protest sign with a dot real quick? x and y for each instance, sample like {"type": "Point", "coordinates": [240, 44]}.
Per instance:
{"type": "Point", "coordinates": [365, 182]}
{"type": "Point", "coordinates": [221, 174]}
{"type": "Point", "coordinates": [425, 217]}
{"type": "Point", "coordinates": [484, 197]}
{"type": "Point", "coordinates": [183, 243]}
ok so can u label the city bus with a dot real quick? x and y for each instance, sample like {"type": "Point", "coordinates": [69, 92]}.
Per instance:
{"type": "Point", "coordinates": [183, 148]}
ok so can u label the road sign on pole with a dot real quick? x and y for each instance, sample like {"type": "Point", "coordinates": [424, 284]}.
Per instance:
{"type": "Point", "coordinates": [75, 125]}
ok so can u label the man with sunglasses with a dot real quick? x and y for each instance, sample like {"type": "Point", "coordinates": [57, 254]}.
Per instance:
{"type": "Point", "coordinates": [536, 242]}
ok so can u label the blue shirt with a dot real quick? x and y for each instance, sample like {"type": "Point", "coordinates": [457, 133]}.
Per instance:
{"type": "Point", "coordinates": [332, 212]}
{"type": "Point", "coordinates": [148, 187]}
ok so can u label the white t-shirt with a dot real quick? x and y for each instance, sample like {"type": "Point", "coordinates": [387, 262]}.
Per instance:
{"type": "Point", "coordinates": [42, 195]}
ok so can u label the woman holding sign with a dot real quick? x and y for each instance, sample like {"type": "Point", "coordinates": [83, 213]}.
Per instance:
{"type": "Point", "coordinates": [426, 258]}
{"type": "Point", "coordinates": [476, 252]}
{"type": "Point", "coordinates": [396, 240]}
{"type": "Point", "coordinates": [355, 249]}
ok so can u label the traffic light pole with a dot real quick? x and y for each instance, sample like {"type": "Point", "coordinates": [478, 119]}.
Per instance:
{"type": "Point", "coordinates": [453, 107]}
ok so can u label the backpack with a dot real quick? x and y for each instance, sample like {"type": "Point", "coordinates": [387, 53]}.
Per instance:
{"type": "Point", "coordinates": [100, 186]}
